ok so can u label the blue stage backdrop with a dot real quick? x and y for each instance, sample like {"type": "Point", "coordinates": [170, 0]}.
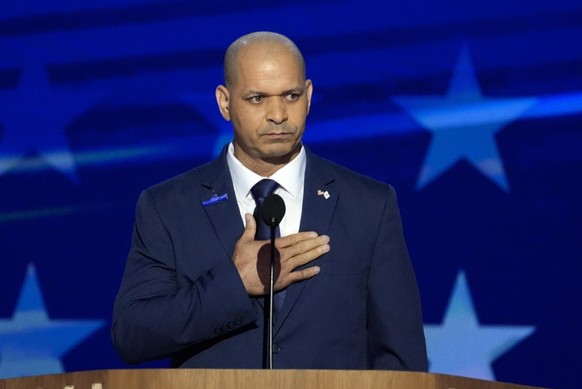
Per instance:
{"type": "Point", "coordinates": [472, 110]}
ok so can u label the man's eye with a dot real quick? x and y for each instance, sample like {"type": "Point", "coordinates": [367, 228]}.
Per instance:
{"type": "Point", "coordinates": [256, 99]}
{"type": "Point", "coordinates": [293, 96]}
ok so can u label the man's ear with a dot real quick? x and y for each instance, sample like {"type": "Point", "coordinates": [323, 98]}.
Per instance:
{"type": "Point", "coordinates": [309, 92]}
{"type": "Point", "coordinates": [223, 99]}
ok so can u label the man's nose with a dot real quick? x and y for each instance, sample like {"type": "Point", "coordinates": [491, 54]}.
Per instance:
{"type": "Point", "coordinates": [276, 110]}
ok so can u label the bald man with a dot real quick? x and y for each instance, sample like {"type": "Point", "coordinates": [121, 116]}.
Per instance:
{"type": "Point", "coordinates": [194, 285]}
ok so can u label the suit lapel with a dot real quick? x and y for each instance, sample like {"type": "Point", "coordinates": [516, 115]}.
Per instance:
{"type": "Point", "coordinates": [319, 197]}
{"type": "Point", "coordinates": [319, 201]}
{"type": "Point", "coordinates": [221, 207]}
{"type": "Point", "coordinates": [219, 202]}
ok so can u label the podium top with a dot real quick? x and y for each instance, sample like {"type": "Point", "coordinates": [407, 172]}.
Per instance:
{"type": "Point", "coordinates": [250, 379]}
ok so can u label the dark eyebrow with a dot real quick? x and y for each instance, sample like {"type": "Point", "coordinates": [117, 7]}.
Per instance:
{"type": "Point", "coordinates": [298, 90]}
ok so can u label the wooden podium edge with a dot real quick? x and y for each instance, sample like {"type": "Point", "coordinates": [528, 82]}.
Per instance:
{"type": "Point", "coordinates": [251, 379]}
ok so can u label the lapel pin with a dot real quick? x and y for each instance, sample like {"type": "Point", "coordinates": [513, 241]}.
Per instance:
{"type": "Point", "coordinates": [325, 194]}
{"type": "Point", "coordinates": [215, 199]}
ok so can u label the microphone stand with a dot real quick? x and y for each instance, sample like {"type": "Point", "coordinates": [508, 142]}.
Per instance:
{"type": "Point", "coordinates": [272, 211]}
{"type": "Point", "coordinates": [273, 227]}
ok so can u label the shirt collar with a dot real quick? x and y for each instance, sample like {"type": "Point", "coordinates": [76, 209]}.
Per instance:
{"type": "Point", "coordinates": [289, 177]}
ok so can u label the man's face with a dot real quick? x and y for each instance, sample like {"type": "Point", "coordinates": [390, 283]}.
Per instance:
{"type": "Point", "coordinates": [267, 103]}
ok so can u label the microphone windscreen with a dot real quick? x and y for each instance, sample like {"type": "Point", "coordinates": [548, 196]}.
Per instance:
{"type": "Point", "coordinates": [273, 210]}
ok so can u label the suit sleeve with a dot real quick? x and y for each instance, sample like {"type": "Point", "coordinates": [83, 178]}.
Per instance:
{"type": "Point", "coordinates": [154, 314]}
{"type": "Point", "coordinates": [395, 332]}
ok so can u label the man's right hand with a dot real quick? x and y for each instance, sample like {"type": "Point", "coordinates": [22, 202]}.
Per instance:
{"type": "Point", "coordinates": [253, 264]}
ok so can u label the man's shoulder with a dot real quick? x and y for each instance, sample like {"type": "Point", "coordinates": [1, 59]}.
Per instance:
{"type": "Point", "coordinates": [348, 177]}
{"type": "Point", "coordinates": [189, 180]}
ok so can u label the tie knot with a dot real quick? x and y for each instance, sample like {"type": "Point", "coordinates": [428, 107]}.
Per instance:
{"type": "Point", "coordinates": [262, 189]}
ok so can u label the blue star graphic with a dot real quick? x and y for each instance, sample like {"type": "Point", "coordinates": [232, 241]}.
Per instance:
{"type": "Point", "coordinates": [30, 342]}
{"type": "Point", "coordinates": [462, 346]}
{"type": "Point", "coordinates": [208, 107]}
{"type": "Point", "coordinates": [34, 120]}
{"type": "Point", "coordinates": [464, 124]}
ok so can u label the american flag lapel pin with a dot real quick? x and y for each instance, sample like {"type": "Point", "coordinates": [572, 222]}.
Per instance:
{"type": "Point", "coordinates": [322, 193]}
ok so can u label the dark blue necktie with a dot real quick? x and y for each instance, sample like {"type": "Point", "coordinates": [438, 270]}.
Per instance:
{"type": "Point", "coordinates": [260, 191]}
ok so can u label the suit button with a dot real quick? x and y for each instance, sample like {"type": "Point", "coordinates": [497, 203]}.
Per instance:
{"type": "Point", "coordinates": [276, 348]}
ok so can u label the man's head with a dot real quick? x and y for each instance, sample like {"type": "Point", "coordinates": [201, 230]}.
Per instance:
{"type": "Point", "coordinates": [266, 97]}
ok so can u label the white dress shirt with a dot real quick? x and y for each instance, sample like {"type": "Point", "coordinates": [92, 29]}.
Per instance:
{"type": "Point", "coordinates": [290, 179]}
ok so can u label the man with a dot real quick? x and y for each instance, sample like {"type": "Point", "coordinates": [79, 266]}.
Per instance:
{"type": "Point", "coordinates": [194, 284]}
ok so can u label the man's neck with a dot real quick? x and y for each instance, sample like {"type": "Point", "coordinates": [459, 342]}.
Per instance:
{"type": "Point", "coordinates": [265, 167]}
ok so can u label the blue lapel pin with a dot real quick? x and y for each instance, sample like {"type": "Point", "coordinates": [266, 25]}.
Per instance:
{"type": "Point", "coordinates": [215, 199]}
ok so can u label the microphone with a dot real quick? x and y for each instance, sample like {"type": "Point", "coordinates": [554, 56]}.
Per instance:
{"type": "Point", "coordinates": [272, 210]}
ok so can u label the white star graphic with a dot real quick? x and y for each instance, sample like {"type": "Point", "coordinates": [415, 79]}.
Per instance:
{"type": "Point", "coordinates": [30, 342]}
{"type": "Point", "coordinates": [462, 346]}
{"type": "Point", "coordinates": [464, 124]}
{"type": "Point", "coordinates": [34, 120]}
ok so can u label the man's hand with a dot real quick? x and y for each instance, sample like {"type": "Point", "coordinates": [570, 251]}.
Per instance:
{"type": "Point", "coordinates": [251, 258]}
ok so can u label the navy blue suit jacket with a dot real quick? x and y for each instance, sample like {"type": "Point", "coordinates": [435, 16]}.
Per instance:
{"type": "Point", "coordinates": [181, 295]}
